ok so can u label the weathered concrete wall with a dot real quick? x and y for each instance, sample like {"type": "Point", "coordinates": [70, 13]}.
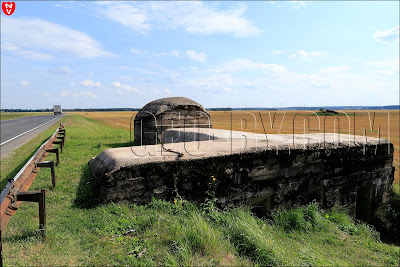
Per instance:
{"type": "Point", "coordinates": [356, 174]}
{"type": "Point", "coordinates": [173, 112]}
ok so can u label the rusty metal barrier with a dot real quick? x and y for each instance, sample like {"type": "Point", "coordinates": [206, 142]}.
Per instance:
{"type": "Point", "coordinates": [17, 188]}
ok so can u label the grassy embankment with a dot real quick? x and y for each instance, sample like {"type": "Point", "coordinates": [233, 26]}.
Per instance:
{"type": "Point", "coordinates": [82, 231]}
{"type": "Point", "coordinates": [15, 115]}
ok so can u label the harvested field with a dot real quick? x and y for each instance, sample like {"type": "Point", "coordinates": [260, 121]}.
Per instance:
{"type": "Point", "coordinates": [282, 122]}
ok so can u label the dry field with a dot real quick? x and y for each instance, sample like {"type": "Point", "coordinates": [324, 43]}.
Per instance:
{"type": "Point", "coordinates": [282, 122]}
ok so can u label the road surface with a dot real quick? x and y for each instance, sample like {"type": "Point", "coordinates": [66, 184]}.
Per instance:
{"type": "Point", "coordinates": [17, 132]}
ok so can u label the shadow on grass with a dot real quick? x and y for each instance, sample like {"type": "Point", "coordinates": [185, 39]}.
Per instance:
{"type": "Point", "coordinates": [86, 198]}
{"type": "Point", "coordinates": [25, 235]}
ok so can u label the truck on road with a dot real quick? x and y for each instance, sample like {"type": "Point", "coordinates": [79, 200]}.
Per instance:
{"type": "Point", "coordinates": [57, 109]}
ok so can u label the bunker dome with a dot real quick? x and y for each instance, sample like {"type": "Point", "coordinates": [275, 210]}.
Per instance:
{"type": "Point", "coordinates": [166, 113]}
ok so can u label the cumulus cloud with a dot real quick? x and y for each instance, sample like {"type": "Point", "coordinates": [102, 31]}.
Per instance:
{"type": "Point", "coordinates": [90, 83]}
{"type": "Point", "coordinates": [170, 53]}
{"type": "Point", "coordinates": [125, 89]}
{"type": "Point", "coordinates": [116, 84]}
{"type": "Point", "coordinates": [161, 91]}
{"type": "Point", "coordinates": [192, 16]}
{"type": "Point", "coordinates": [128, 15]}
{"type": "Point", "coordinates": [306, 55]}
{"type": "Point", "coordinates": [388, 35]}
{"type": "Point", "coordinates": [193, 55]}
{"type": "Point", "coordinates": [23, 83]}
{"type": "Point", "coordinates": [37, 38]}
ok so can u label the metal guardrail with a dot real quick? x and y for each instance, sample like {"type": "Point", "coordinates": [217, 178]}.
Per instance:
{"type": "Point", "coordinates": [17, 188]}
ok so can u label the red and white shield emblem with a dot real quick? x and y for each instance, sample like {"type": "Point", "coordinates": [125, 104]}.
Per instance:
{"type": "Point", "coordinates": [8, 8]}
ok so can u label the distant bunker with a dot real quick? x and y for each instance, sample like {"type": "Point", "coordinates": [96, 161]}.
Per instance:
{"type": "Point", "coordinates": [165, 113]}
{"type": "Point", "coordinates": [264, 171]}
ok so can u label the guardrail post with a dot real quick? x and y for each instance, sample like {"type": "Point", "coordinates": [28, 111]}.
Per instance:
{"type": "Point", "coordinates": [54, 150]}
{"type": "Point", "coordinates": [40, 197]}
{"type": "Point", "coordinates": [61, 131]}
{"type": "Point", "coordinates": [62, 139]}
{"type": "Point", "coordinates": [58, 143]}
{"type": "Point", "coordinates": [48, 164]}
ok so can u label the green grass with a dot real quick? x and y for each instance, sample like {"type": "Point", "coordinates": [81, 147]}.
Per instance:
{"type": "Point", "coordinates": [15, 115]}
{"type": "Point", "coordinates": [81, 231]}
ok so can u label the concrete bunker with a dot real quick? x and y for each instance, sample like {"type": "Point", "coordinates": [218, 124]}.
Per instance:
{"type": "Point", "coordinates": [330, 168]}
{"type": "Point", "coordinates": [165, 113]}
{"type": "Point", "coordinates": [281, 174]}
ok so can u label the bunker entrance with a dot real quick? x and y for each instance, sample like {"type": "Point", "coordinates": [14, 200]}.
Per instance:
{"type": "Point", "coordinates": [364, 203]}
{"type": "Point", "coordinates": [314, 195]}
{"type": "Point", "coordinates": [261, 205]}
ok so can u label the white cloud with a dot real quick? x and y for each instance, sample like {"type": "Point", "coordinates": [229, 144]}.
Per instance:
{"type": "Point", "coordinates": [61, 70]}
{"type": "Point", "coordinates": [193, 55]}
{"type": "Point", "coordinates": [170, 53]}
{"type": "Point", "coordinates": [72, 84]}
{"type": "Point", "coordinates": [79, 94]}
{"type": "Point", "coordinates": [127, 15]}
{"type": "Point", "coordinates": [298, 4]}
{"type": "Point", "coordinates": [245, 64]}
{"type": "Point", "coordinates": [335, 69]}
{"type": "Point", "coordinates": [90, 83]}
{"type": "Point", "coordinates": [9, 46]}
{"type": "Point", "coordinates": [24, 83]}
{"type": "Point", "coordinates": [33, 36]}
{"type": "Point", "coordinates": [194, 17]}
{"type": "Point", "coordinates": [193, 68]}
{"type": "Point", "coordinates": [138, 51]}
{"type": "Point", "coordinates": [306, 55]}
{"type": "Point", "coordinates": [129, 90]}
{"type": "Point", "coordinates": [116, 84]}
{"type": "Point", "coordinates": [278, 52]}
{"type": "Point", "coordinates": [33, 55]}
{"type": "Point", "coordinates": [227, 89]}
{"type": "Point", "coordinates": [161, 91]}
{"type": "Point", "coordinates": [388, 35]}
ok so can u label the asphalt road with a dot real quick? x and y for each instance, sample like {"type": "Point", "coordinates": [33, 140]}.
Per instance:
{"type": "Point", "coordinates": [17, 132]}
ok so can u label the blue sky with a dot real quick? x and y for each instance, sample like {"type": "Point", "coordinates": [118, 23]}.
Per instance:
{"type": "Point", "coordinates": [221, 54]}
